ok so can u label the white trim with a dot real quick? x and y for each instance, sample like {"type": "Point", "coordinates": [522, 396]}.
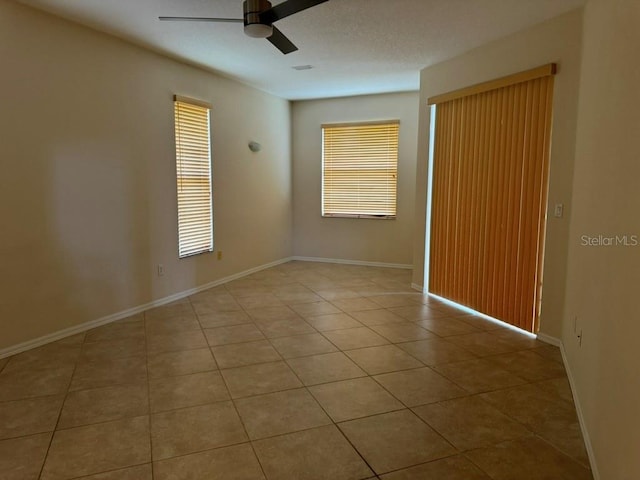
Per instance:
{"type": "Point", "coordinates": [352, 262]}
{"type": "Point", "coordinates": [583, 425]}
{"type": "Point", "coordinates": [67, 332]}
{"type": "Point", "coordinates": [427, 232]}
{"type": "Point", "coordinates": [543, 337]}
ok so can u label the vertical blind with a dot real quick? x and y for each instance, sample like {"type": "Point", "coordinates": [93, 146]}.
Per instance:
{"type": "Point", "coordinates": [489, 198]}
{"type": "Point", "coordinates": [193, 171]}
{"type": "Point", "coordinates": [360, 169]}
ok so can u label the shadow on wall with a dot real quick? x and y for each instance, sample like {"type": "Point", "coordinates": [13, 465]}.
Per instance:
{"type": "Point", "coordinates": [77, 245]}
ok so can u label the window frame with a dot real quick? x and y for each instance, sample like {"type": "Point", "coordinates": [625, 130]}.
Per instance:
{"type": "Point", "coordinates": [195, 236]}
{"type": "Point", "coordinates": [390, 209]}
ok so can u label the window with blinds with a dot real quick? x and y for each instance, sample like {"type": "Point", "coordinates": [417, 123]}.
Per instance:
{"type": "Point", "coordinates": [193, 171]}
{"type": "Point", "coordinates": [360, 170]}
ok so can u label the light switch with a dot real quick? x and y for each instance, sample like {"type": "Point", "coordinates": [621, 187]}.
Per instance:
{"type": "Point", "coordinates": [559, 210]}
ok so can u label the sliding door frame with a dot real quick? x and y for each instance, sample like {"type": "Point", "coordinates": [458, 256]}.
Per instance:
{"type": "Point", "coordinates": [537, 87]}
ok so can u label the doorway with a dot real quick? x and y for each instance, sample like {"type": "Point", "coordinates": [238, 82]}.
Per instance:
{"type": "Point", "coordinates": [489, 164]}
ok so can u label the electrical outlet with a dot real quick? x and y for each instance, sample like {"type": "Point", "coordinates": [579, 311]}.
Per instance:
{"type": "Point", "coordinates": [160, 270]}
{"type": "Point", "coordinates": [219, 255]}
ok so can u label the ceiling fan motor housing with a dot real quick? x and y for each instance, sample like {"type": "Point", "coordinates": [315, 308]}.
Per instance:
{"type": "Point", "coordinates": [253, 27]}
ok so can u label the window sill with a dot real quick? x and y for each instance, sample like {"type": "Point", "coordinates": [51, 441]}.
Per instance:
{"type": "Point", "coordinates": [200, 252]}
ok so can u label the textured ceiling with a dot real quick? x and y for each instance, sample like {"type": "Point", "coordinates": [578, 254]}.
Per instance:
{"type": "Point", "coordinates": [355, 46]}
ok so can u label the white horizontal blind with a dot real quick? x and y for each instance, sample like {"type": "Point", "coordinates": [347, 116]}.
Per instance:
{"type": "Point", "coordinates": [193, 170]}
{"type": "Point", "coordinates": [360, 170]}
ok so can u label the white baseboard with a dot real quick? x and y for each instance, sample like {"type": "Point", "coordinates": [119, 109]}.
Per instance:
{"type": "Point", "coordinates": [352, 262]}
{"type": "Point", "coordinates": [543, 337]}
{"type": "Point", "coordinates": [583, 427]}
{"type": "Point", "coordinates": [67, 332]}
{"type": "Point", "coordinates": [74, 330]}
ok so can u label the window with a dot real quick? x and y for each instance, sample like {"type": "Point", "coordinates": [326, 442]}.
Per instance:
{"type": "Point", "coordinates": [193, 171]}
{"type": "Point", "coordinates": [360, 170]}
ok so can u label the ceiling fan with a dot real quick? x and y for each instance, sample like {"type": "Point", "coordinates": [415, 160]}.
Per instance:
{"type": "Point", "coordinates": [258, 20]}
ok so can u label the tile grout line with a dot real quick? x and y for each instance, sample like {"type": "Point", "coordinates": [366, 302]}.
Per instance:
{"type": "Point", "coordinates": [235, 406]}
{"type": "Point", "coordinates": [66, 394]}
{"type": "Point", "coordinates": [148, 383]}
{"type": "Point", "coordinates": [306, 388]}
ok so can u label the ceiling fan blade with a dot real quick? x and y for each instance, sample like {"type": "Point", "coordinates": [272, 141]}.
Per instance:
{"type": "Point", "coordinates": [281, 42]}
{"type": "Point", "coordinates": [201, 19]}
{"type": "Point", "coordinates": [287, 8]}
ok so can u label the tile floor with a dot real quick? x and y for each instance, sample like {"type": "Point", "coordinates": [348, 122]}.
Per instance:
{"type": "Point", "coordinates": [303, 371]}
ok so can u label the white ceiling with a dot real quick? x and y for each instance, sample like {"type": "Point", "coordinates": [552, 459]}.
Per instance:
{"type": "Point", "coordinates": [356, 46]}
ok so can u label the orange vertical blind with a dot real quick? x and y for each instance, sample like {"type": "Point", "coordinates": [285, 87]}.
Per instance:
{"type": "Point", "coordinates": [489, 196]}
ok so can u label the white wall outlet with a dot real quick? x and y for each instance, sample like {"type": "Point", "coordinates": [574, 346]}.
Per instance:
{"type": "Point", "coordinates": [160, 270]}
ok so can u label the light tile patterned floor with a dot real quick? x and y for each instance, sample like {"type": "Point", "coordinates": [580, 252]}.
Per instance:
{"type": "Point", "coordinates": [303, 371]}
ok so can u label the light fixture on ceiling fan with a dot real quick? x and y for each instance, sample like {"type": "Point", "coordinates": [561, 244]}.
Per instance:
{"type": "Point", "coordinates": [258, 20]}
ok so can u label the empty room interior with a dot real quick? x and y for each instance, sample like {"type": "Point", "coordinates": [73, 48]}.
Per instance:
{"type": "Point", "coordinates": [378, 240]}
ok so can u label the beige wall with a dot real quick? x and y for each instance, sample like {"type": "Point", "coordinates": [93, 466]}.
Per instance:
{"type": "Point", "coordinates": [87, 194]}
{"type": "Point", "coordinates": [603, 283]}
{"type": "Point", "coordinates": [384, 241]}
{"type": "Point", "coordinates": [557, 40]}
